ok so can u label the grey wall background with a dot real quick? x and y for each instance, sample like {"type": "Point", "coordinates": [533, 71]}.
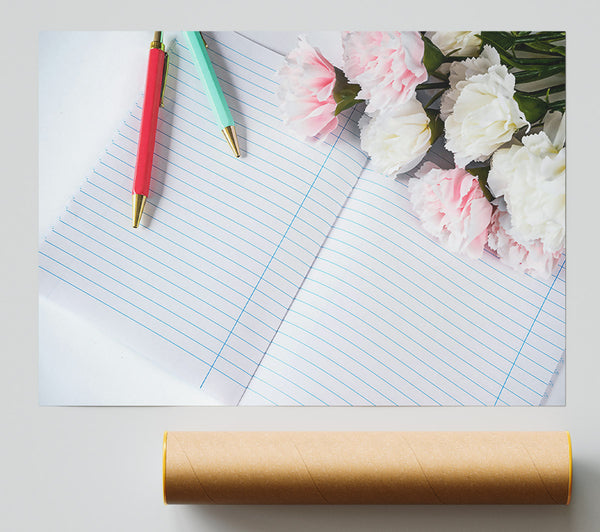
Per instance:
{"type": "Point", "coordinates": [100, 468]}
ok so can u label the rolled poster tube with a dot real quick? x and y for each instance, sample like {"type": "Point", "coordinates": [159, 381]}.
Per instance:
{"type": "Point", "coordinates": [367, 467]}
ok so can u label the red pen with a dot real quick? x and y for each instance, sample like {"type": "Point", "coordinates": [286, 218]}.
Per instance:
{"type": "Point", "coordinates": [155, 81]}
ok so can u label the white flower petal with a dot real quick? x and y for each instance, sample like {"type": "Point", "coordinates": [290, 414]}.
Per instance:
{"type": "Point", "coordinates": [396, 139]}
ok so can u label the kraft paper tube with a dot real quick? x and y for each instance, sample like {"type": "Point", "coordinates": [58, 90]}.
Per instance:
{"type": "Point", "coordinates": [367, 467]}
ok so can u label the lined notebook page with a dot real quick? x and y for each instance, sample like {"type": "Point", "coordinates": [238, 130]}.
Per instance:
{"type": "Point", "coordinates": [387, 316]}
{"type": "Point", "coordinates": [201, 287]}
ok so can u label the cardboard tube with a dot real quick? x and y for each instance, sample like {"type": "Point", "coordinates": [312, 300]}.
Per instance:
{"type": "Point", "coordinates": [367, 467]}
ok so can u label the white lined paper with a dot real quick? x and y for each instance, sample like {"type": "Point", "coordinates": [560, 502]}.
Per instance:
{"type": "Point", "coordinates": [203, 286]}
{"type": "Point", "coordinates": [387, 316]}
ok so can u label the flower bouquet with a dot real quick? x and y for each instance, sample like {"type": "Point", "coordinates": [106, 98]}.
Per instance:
{"type": "Point", "coordinates": [497, 102]}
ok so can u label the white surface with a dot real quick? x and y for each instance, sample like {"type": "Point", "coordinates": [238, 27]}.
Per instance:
{"type": "Point", "coordinates": [97, 469]}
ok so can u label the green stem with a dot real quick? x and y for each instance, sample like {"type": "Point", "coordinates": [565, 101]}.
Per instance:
{"type": "Point", "coordinates": [527, 48]}
{"type": "Point", "coordinates": [452, 58]}
{"type": "Point", "coordinates": [531, 63]}
{"type": "Point", "coordinates": [535, 75]}
{"type": "Point", "coordinates": [435, 97]}
{"type": "Point", "coordinates": [543, 92]}
{"type": "Point", "coordinates": [440, 85]}
{"type": "Point", "coordinates": [559, 105]}
{"type": "Point", "coordinates": [543, 36]}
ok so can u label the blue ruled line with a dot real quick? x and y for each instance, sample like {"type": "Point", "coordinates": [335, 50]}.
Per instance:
{"type": "Point", "coordinates": [525, 339]}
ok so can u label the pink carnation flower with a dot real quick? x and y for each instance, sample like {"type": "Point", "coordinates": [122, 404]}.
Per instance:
{"type": "Point", "coordinates": [452, 208]}
{"type": "Point", "coordinates": [529, 257]}
{"type": "Point", "coordinates": [306, 92]}
{"type": "Point", "coordinates": [387, 65]}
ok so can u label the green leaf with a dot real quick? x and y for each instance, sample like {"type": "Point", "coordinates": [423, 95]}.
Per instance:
{"type": "Point", "coordinates": [501, 40]}
{"type": "Point", "coordinates": [533, 108]}
{"type": "Point", "coordinates": [433, 56]}
{"type": "Point", "coordinates": [344, 92]}
{"type": "Point", "coordinates": [349, 93]}
{"type": "Point", "coordinates": [345, 104]}
{"type": "Point", "coordinates": [481, 173]}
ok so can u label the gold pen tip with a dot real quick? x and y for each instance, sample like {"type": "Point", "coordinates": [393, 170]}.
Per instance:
{"type": "Point", "coordinates": [232, 140]}
{"type": "Point", "coordinates": [138, 201]}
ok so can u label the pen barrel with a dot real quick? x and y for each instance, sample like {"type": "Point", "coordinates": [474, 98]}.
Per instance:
{"type": "Point", "coordinates": [147, 139]}
{"type": "Point", "coordinates": [209, 79]}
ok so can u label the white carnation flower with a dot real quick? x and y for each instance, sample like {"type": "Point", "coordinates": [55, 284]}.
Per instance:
{"type": "Point", "coordinates": [451, 205]}
{"type": "Point", "coordinates": [459, 42]}
{"type": "Point", "coordinates": [388, 65]}
{"type": "Point", "coordinates": [529, 257]}
{"type": "Point", "coordinates": [396, 139]}
{"type": "Point", "coordinates": [531, 178]}
{"type": "Point", "coordinates": [462, 70]}
{"type": "Point", "coordinates": [479, 110]}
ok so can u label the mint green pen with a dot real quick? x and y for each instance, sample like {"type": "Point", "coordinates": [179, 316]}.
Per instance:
{"type": "Point", "coordinates": [213, 89]}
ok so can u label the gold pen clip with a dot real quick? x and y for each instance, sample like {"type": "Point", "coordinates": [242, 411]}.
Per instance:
{"type": "Point", "coordinates": [157, 43]}
{"type": "Point", "coordinates": [203, 40]}
{"type": "Point", "coordinates": [164, 79]}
